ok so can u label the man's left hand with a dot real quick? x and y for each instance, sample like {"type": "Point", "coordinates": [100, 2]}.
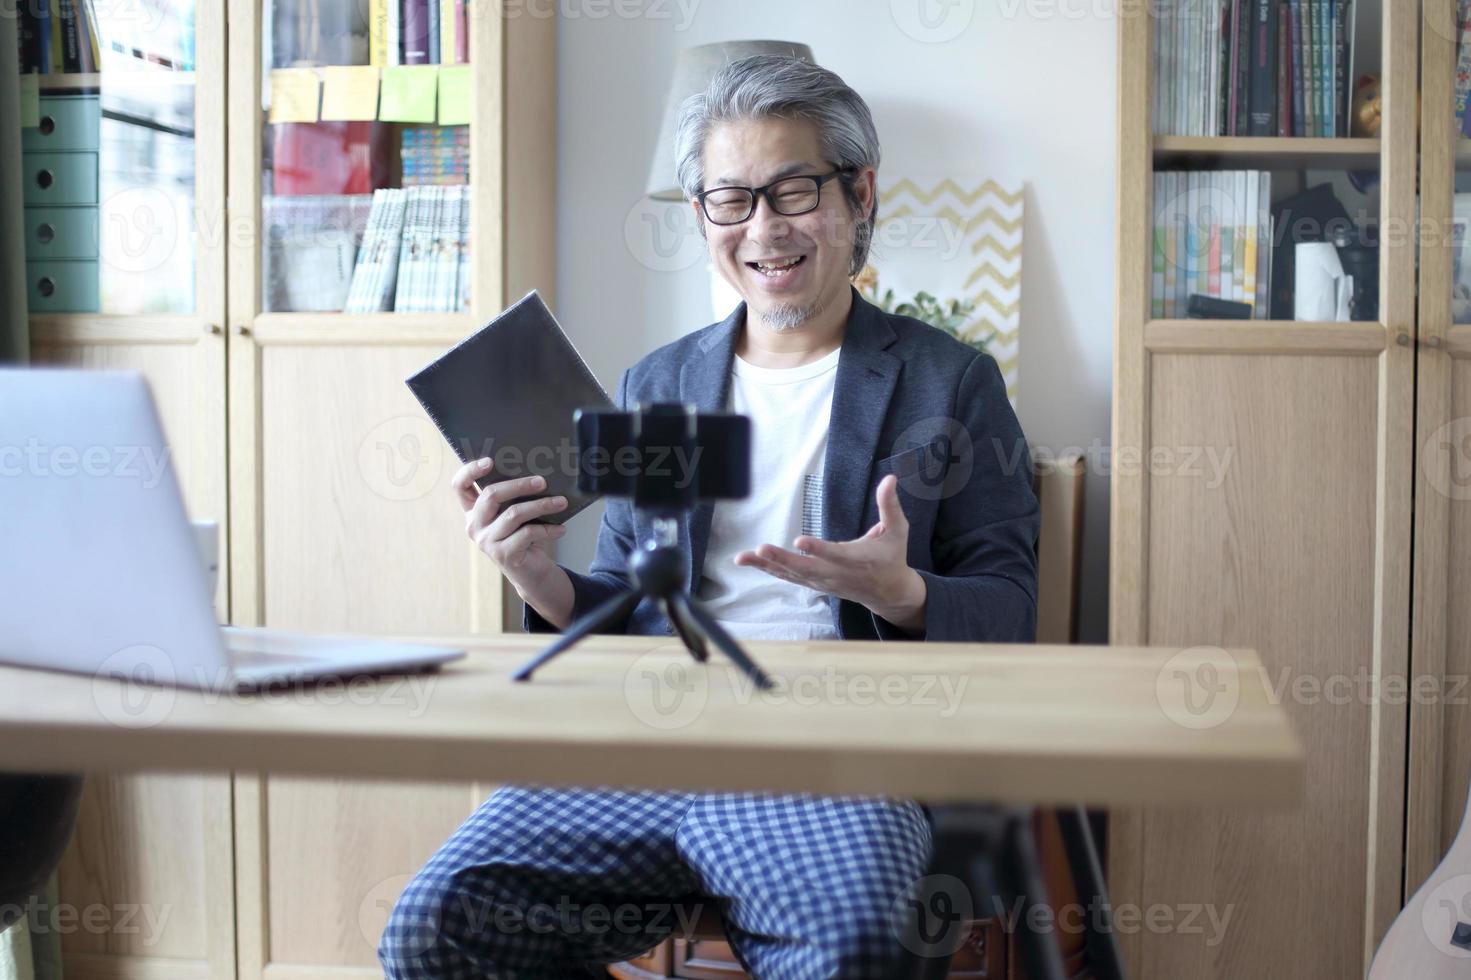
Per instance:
{"type": "Point", "coordinates": [872, 570]}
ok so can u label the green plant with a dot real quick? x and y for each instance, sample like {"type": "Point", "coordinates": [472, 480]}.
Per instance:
{"type": "Point", "coordinates": [947, 316]}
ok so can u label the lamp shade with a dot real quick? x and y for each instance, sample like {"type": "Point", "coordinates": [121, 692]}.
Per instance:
{"type": "Point", "coordinates": [693, 69]}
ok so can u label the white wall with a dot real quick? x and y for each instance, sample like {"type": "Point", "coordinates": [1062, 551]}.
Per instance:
{"type": "Point", "coordinates": [1016, 89]}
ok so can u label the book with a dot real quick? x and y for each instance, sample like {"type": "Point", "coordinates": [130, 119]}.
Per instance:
{"type": "Point", "coordinates": [378, 32]}
{"type": "Point", "coordinates": [1240, 122]}
{"type": "Point", "coordinates": [41, 11]}
{"type": "Point", "coordinates": [1283, 86]}
{"type": "Point", "coordinates": [328, 157]}
{"type": "Point", "coordinates": [309, 250]}
{"type": "Point", "coordinates": [462, 32]}
{"type": "Point", "coordinates": [1299, 127]}
{"type": "Point", "coordinates": [448, 25]}
{"type": "Point", "coordinates": [1262, 113]}
{"type": "Point", "coordinates": [510, 391]}
{"type": "Point", "coordinates": [28, 42]}
{"type": "Point", "coordinates": [415, 21]}
{"type": "Point", "coordinates": [71, 48]}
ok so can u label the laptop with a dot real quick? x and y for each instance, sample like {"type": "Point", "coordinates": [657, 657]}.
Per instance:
{"type": "Point", "coordinates": [99, 570]}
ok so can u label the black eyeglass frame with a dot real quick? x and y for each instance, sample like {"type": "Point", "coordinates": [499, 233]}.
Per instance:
{"type": "Point", "coordinates": [765, 191]}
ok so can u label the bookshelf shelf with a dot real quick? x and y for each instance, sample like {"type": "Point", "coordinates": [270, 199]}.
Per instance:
{"type": "Point", "coordinates": [361, 329]}
{"type": "Point", "coordinates": [1266, 152]}
{"type": "Point", "coordinates": [90, 81]}
{"type": "Point", "coordinates": [1262, 337]}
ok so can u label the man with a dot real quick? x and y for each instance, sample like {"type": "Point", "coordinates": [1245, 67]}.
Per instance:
{"type": "Point", "coordinates": [891, 500]}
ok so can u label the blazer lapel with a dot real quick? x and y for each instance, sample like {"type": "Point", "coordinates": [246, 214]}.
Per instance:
{"type": "Point", "coordinates": [867, 375]}
{"type": "Point", "coordinates": [705, 380]}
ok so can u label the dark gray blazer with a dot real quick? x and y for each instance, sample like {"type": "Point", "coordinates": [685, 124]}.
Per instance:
{"type": "Point", "coordinates": [908, 399]}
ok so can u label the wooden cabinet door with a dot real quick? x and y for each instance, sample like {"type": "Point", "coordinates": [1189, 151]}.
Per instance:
{"type": "Point", "coordinates": [1440, 721]}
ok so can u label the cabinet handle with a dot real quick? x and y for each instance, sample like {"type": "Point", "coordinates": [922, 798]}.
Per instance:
{"type": "Point", "coordinates": [241, 330]}
{"type": "Point", "coordinates": [46, 286]}
{"type": "Point", "coordinates": [213, 329]}
{"type": "Point", "coordinates": [1433, 343]}
{"type": "Point", "coordinates": [45, 233]}
{"type": "Point", "coordinates": [47, 125]}
{"type": "Point", "coordinates": [44, 179]}
{"type": "Point", "coordinates": [1403, 339]}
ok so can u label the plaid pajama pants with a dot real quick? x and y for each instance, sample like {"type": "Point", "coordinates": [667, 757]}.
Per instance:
{"type": "Point", "coordinates": [537, 883]}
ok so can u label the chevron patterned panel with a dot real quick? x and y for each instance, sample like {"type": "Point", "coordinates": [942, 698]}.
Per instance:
{"type": "Point", "coordinates": [956, 238]}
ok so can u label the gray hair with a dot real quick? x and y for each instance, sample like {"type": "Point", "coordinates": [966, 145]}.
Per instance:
{"type": "Point", "coordinates": [775, 86]}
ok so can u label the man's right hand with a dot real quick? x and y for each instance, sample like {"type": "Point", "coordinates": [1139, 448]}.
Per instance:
{"type": "Point", "coordinates": [502, 530]}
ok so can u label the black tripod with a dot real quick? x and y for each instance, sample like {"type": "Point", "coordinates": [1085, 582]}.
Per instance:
{"type": "Point", "coordinates": [657, 572]}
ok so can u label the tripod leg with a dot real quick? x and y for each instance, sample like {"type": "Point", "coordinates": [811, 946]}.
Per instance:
{"type": "Point", "coordinates": [606, 614]}
{"type": "Point", "coordinates": [721, 639]}
{"type": "Point", "coordinates": [1104, 958]}
{"type": "Point", "coordinates": [694, 642]}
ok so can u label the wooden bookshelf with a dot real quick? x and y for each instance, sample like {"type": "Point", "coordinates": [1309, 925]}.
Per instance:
{"type": "Point", "coordinates": [1300, 550]}
{"type": "Point", "coordinates": [1265, 152]}
{"type": "Point", "coordinates": [1262, 337]}
{"type": "Point", "coordinates": [92, 81]}
{"type": "Point", "coordinates": [295, 431]}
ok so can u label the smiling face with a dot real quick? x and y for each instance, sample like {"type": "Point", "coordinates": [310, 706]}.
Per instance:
{"type": "Point", "coordinates": [788, 268]}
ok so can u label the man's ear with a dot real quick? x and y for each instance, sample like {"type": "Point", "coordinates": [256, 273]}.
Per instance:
{"type": "Point", "coordinates": [864, 187]}
{"type": "Point", "coordinates": [699, 218]}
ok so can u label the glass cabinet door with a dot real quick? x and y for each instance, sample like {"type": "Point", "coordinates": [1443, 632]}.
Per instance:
{"type": "Point", "coordinates": [1267, 160]}
{"type": "Point", "coordinates": [365, 108]}
{"type": "Point", "coordinates": [111, 151]}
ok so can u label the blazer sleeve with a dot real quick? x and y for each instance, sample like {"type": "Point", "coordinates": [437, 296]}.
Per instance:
{"type": "Point", "coordinates": [984, 549]}
{"type": "Point", "coordinates": [608, 573]}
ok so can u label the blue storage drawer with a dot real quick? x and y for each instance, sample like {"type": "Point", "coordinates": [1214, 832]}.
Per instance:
{"type": "Point", "coordinates": [68, 122]}
{"type": "Point", "coordinates": [62, 286]}
{"type": "Point", "coordinates": [61, 233]}
{"type": "Point", "coordinates": [59, 178]}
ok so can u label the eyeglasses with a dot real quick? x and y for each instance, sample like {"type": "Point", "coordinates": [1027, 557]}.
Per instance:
{"type": "Point", "coordinates": [788, 196]}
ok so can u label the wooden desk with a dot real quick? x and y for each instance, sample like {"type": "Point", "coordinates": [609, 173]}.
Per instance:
{"type": "Point", "coordinates": [941, 722]}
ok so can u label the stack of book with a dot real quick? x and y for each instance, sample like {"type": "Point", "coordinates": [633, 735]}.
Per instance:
{"type": "Point", "coordinates": [1212, 237]}
{"type": "Point", "coordinates": [309, 250]}
{"type": "Point", "coordinates": [418, 32]}
{"type": "Point", "coordinates": [436, 155]}
{"type": "Point", "coordinates": [57, 36]}
{"type": "Point", "coordinates": [415, 252]}
{"type": "Point", "coordinates": [1253, 67]}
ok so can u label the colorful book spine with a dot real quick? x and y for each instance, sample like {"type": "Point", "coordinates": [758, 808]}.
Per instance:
{"type": "Point", "coordinates": [58, 57]}
{"type": "Point", "coordinates": [1284, 67]}
{"type": "Point", "coordinates": [71, 46]}
{"type": "Point", "coordinates": [393, 36]}
{"type": "Point", "coordinates": [462, 32]}
{"type": "Point", "coordinates": [378, 32]}
{"type": "Point", "coordinates": [415, 15]}
{"type": "Point", "coordinates": [1263, 69]}
{"type": "Point", "coordinates": [1248, 283]}
{"type": "Point", "coordinates": [1264, 243]}
{"type": "Point", "coordinates": [42, 11]}
{"type": "Point", "coordinates": [448, 19]}
{"type": "Point", "coordinates": [1295, 20]}
{"type": "Point", "coordinates": [1323, 24]}
{"type": "Point", "coordinates": [1157, 250]}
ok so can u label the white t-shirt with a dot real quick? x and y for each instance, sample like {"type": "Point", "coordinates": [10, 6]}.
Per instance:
{"type": "Point", "coordinates": [789, 410]}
